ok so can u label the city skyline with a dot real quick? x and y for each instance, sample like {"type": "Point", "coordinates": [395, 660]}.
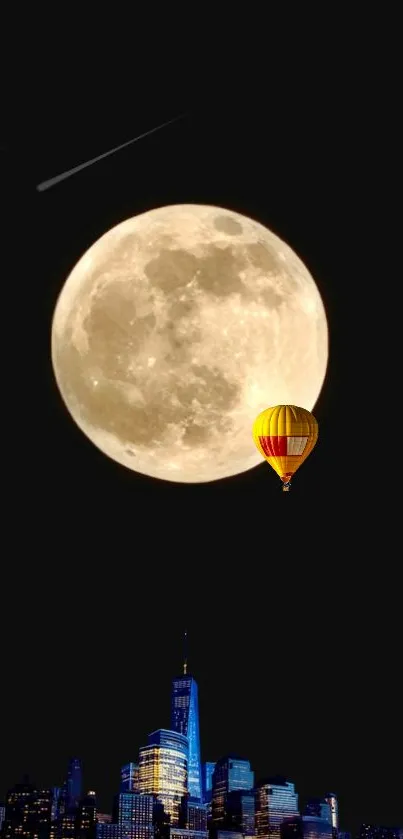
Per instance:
{"type": "Point", "coordinates": [222, 786]}
{"type": "Point", "coordinates": [317, 819]}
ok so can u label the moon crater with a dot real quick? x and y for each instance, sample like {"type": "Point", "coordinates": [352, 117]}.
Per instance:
{"type": "Point", "coordinates": [227, 224]}
{"type": "Point", "coordinates": [176, 329]}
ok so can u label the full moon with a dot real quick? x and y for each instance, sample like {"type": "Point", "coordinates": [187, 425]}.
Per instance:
{"type": "Point", "coordinates": [175, 329]}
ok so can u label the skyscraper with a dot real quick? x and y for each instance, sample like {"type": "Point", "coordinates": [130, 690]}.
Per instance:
{"type": "Point", "coordinates": [60, 807]}
{"type": "Point", "coordinates": [41, 813]}
{"type": "Point", "coordinates": [184, 833]}
{"type": "Point", "coordinates": [86, 817]}
{"type": "Point", "coordinates": [163, 771]}
{"type": "Point", "coordinates": [196, 816]}
{"type": "Point", "coordinates": [56, 796]}
{"type": "Point", "coordinates": [207, 780]}
{"type": "Point", "coordinates": [2, 814]}
{"type": "Point", "coordinates": [74, 783]}
{"type": "Point", "coordinates": [27, 812]}
{"type": "Point", "coordinates": [16, 818]}
{"type": "Point", "coordinates": [227, 834]}
{"type": "Point", "coordinates": [66, 828]}
{"type": "Point", "coordinates": [318, 807]}
{"type": "Point", "coordinates": [129, 777]}
{"type": "Point", "coordinates": [275, 800]}
{"type": "Point", "coordinates": [108, 830]}
{"type": "Point", "coordinates": [331, 800]}
{"type": "Point", "coordinates": [306, 827]}
{"type": "Point", "coordinates": [240, 811]}
{"type": "Point", "coordinates": [185, 719]}
{"type": "Point", "coordinates": [230, 773]}
{"type": "Point", "coordinates": [134, 813]}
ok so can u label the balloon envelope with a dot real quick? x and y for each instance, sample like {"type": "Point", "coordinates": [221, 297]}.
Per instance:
{"type": "Point", "coordinates": [285, 435]}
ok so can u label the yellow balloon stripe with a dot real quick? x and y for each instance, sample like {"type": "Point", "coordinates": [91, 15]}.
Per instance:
{"type": "Point", "coordinates": [287, 464]}
{"type": "Point", "coordinates": [285, 420]}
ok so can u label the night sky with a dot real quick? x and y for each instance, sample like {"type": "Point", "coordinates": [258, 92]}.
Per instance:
{"type": "Point", "coordinates": [291, 602]}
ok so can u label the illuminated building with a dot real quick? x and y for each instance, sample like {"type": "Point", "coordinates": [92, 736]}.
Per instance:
{"type": "Point", "coordinates": [163, 772]}
{"type": "Point", "coordinates": [53, 829]}
{"type": "Point", "coordinates": [16, 816]}
{"type": "Point", "coordinates": [275, 800]}
{"type": "Point", "coordinates": [107, 830]}
{"type": "Point", "coordinates": [228, 834]}
{"type": "Point", "coordinates": [331, 800]}
{"type": "Point", "coordinates": [179, 833]}
{"type": "Point", "coordinates": [240, 812]}
{"type": "Point", "coordinates": [104, 818]}
{"type": "Point", "coordinates": [2, 814]}
{"type": "Point", "coordinates": [27, 813]}
{"type": "Point", "coordinates": [134, 813]}
{"type": "Point", "coordinates": [74, 783]}
{"type": "Point", "coordinates": [60, 806]}
{"type": "Point", "coordinates": [86, 817]}
{"type": "Point", "coordinates": [66, 828]}
{"type": "Point", "coordinates": [306, 827]}
{"type": "Point", "coordinates": [207, 780]}
{"type": "Point", "coordinates": [318, 807]}
{"type": "Point", "coordinates": [376, 831]}
{"type": "Point", "coordinates": [129, 778]}
{"type": "Point", "coordinates": [230, 773]}
{"type": "Point", "coordinates": [41, 810]}
{"type": "Point", "coordinates": [196, 816]}
{"type": "Point", "coordinates": [56, 796]}
{"type": "Point", "coordinates": [185, 720]}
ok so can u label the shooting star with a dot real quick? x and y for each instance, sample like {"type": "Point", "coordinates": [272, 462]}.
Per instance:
{"type": "Point", "coordinates": [62, 177]}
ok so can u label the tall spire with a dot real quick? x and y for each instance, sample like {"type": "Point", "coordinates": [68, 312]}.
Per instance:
{"type": "Point", "coordinates": [185, 651]}
{"type": "Point", "coordinates": [185, 720]}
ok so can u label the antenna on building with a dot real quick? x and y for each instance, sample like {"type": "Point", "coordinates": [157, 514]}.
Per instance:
{"type": "Point", "coordinates": [185, 650]}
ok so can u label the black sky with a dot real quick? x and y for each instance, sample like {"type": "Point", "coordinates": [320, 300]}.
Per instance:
{"type": "Point", "coordinates": [292, 602]}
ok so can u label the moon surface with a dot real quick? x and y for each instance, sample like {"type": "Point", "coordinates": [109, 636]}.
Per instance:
{"type": "Point", "coordinates": [175, 329]}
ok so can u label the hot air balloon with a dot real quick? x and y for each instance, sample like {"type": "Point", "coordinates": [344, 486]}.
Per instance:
{"type": "Point", "coordinates": [285, 435]}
